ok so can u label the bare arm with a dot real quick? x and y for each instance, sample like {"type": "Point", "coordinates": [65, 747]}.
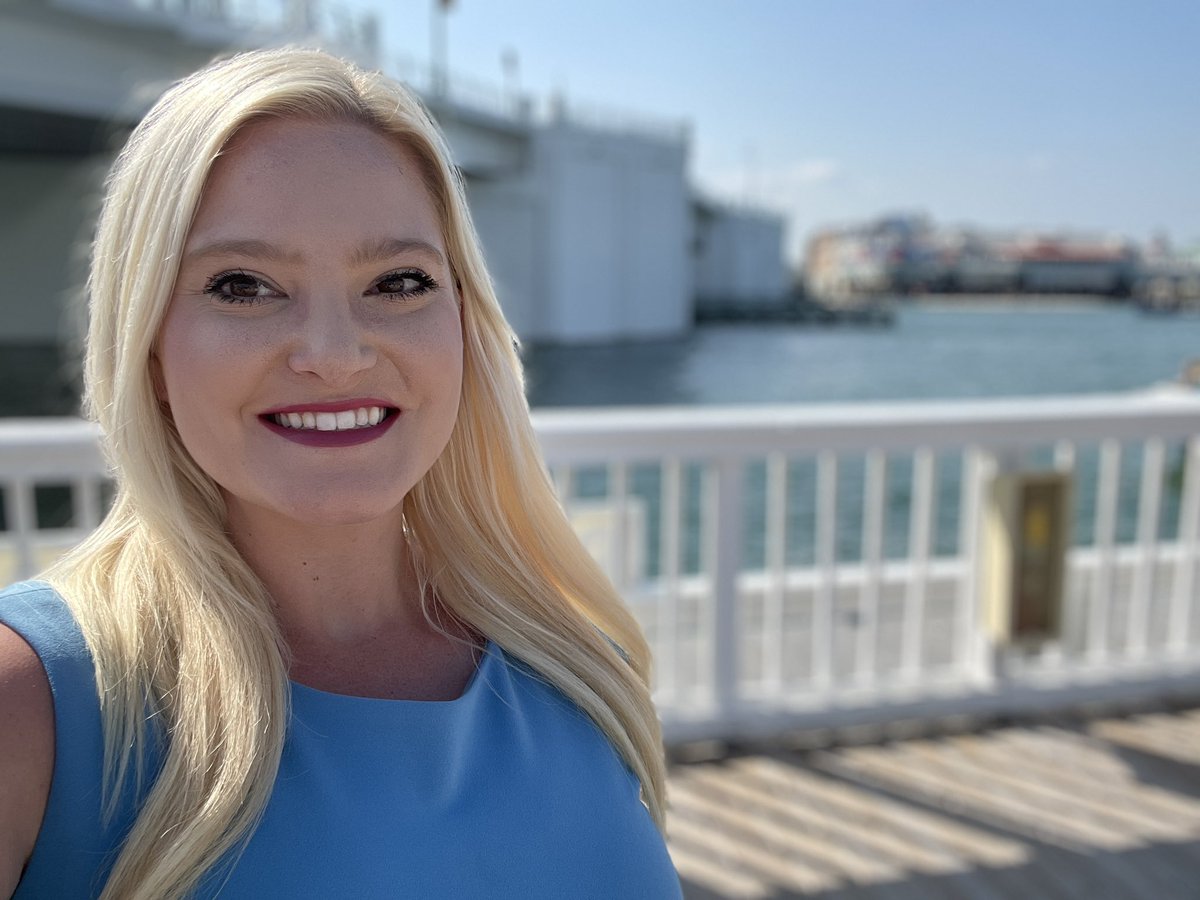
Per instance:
{"type": "Point", "coordinates": [26, 754]}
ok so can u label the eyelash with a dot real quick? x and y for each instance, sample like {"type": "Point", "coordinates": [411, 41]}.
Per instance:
{"type": "Point", "coordinates": [217, 285]}
{"type": "Point", "coordinates": [425, 283]}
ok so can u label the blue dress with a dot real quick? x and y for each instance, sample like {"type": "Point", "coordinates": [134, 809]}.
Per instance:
{"type": "Point", "coordinates": [508, 791]}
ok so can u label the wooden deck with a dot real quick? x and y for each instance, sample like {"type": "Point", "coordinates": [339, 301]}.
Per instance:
{"type": "Point", "coordinates": [1106, 809]}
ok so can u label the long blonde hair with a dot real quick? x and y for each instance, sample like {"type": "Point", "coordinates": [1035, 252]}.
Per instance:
{"type": "Point", "coordinates": [177, 621]}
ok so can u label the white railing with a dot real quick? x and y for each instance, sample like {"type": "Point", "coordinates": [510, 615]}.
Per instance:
{"type": "Point", "coordinates": [347, 28]}
{"type": "Point", "coordinates": [512, 103]}
{"type": "Point", "coordinates": [821, 565]}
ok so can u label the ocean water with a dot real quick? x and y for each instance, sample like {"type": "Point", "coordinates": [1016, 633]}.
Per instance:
{"type": "Point", "coordinates": [993, 350]}
{"type": "Point", "coordinates": [930, 352]}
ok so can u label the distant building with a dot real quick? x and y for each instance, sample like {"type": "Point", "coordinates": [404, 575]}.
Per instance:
{"type": "Point", "coordinates": [1168, 279]}
{"type": "Point", "coordinates": [1078, 265]}
{"type": "Point", "coordinates": [844, 265]}
{"type": "Point", "coordinates": [737, 257]}
{"type": "Point", "coordinates": [908, 255]}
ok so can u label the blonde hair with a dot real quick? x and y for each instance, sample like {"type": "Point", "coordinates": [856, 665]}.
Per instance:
{"type": "Point", "coordinates": [177, 621]}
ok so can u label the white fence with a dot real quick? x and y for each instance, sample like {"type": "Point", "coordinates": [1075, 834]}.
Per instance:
{"type": "Point", "coordinates": [821, 565]}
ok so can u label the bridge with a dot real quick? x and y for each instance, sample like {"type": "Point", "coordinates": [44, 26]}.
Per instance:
{"type": "Point", "coordinates": [555, 189]}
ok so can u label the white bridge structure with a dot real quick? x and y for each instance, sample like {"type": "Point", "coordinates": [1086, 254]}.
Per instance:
{"type": "Point", "coordinates": [824, 566]}
{"type": "Point", "coordinates": [558, 191]}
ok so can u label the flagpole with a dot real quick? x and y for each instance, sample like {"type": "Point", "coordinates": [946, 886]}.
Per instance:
{"type": "Point", "coordinates": [438, 51]}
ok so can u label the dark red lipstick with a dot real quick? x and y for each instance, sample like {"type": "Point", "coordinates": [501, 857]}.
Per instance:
{"type": "Point", "coordinates": [349, 437]}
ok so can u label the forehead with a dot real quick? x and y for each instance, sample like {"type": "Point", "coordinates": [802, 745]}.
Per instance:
{"type": "Point", "coordinates": [282, 175]}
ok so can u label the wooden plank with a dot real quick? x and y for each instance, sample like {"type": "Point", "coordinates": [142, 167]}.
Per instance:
{"type": "Point", "coordinates": [1043, 812]}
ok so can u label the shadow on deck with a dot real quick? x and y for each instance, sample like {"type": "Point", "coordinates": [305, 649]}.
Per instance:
{"type": "Point", "coordinates": [1107, 809]}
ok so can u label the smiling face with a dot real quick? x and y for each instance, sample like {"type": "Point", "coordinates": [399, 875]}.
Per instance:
{"type": "Point", "coordinates": [311, 355]}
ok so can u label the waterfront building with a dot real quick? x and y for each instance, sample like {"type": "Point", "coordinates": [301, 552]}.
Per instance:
{"type": "Point", "coordinates": [909, 255]}
{"type": "Point", "coordinates": [844, 265]}
{"type": "Point", "coordinates": [738, 257]}
{"type": "Point", "coordinates": [1169, 278]}
{"type": "Point", "coordinates": [1074, 264]}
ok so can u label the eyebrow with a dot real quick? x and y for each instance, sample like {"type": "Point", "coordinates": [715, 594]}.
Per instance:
{"type": "Point", "coordinates": [386, 249]}
{"type": "Point", "coordinates": [371, 252]}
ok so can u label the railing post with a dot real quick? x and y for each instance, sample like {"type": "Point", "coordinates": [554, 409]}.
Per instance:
{"type": "Point", "coordinates": [1108, 484]}
{"type": "Point", "coordinates": [920, 549]}
{"type": "Point", "coordinates": [775, 591]}
{"type": "Point", "coordinates": [666, 643]}
{"type": "Point", "coordinates": [21, 513]}
{"type": "Point", "coordinates": [978, 657]}
{"type": "Point", "coordinates": [826, 556]}
{"type": "Point", "coordinates": [874, 516]}
{"type": "Point", "coordinates": [1185, 565]}
{"type": "Point", "coordinates": [1141, 593]}
{"type": "Point", "coordinates": [618, 499]}
{"type": "Point", "coordinates": [728, 531]}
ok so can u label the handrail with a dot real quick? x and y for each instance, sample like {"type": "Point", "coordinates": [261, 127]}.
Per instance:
{"type": "Point", "coordinates": [627, 432]}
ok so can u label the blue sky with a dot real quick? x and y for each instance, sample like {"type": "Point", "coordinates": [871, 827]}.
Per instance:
{"type": "Point", "coordinates": [1082, 115]}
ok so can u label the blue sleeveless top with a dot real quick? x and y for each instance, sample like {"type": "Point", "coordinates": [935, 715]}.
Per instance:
{"type": "Point", "coordinates": [508, 791]}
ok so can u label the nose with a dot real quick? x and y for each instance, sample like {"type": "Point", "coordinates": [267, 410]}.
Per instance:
{"type": "Point", "coordinates": [331, 343]}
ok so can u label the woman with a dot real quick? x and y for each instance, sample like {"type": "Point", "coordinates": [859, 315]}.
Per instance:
{"type": "Point", "coordinates": [336, 637]}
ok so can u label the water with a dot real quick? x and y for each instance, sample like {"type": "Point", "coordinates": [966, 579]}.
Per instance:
{"type": "Point", "coordinates": [930, 352]}
{"type": "Point", "coordinates": [941, 352]}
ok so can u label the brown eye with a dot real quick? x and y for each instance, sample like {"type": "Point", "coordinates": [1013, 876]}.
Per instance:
{"type": "Point", "coordinates": [243, 288]}
{"type": "Point", "coordinates": [405, 284]}
{"type": "Point", "coordinates": [237, 287]}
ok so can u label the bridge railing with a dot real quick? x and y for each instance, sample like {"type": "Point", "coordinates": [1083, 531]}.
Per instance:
{"type": "Point", "coordinates": [823, 565]}
{"type": "Point", "coordinates": [332, 23]}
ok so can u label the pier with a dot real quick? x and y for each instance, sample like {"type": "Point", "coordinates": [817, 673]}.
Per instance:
{"type": "Point", "coordinates": [797, 311]}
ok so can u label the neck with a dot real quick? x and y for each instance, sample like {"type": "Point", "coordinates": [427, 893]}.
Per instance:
{"type": "Point", "coordinates": [331, 584]}
{"type": "Point", "coordinates": [349, 605]}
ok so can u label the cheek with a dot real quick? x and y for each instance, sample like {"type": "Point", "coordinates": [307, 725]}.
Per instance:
{"type": "Point", "coordinates": [199, 363]}
{"type": "Point", "coordinates": [436, 346]}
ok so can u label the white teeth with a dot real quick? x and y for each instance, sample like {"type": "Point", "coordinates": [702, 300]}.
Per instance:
{"type": "Point", "coordinates": [343, 420]}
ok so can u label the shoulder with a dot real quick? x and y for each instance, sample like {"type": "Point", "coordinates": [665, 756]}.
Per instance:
{"type": "Point", "coordinates": [36, 611]}
{"type": "Point", "coordinates": [26, 752]}
{"type": "Point", "coordinates": [52, 768]}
